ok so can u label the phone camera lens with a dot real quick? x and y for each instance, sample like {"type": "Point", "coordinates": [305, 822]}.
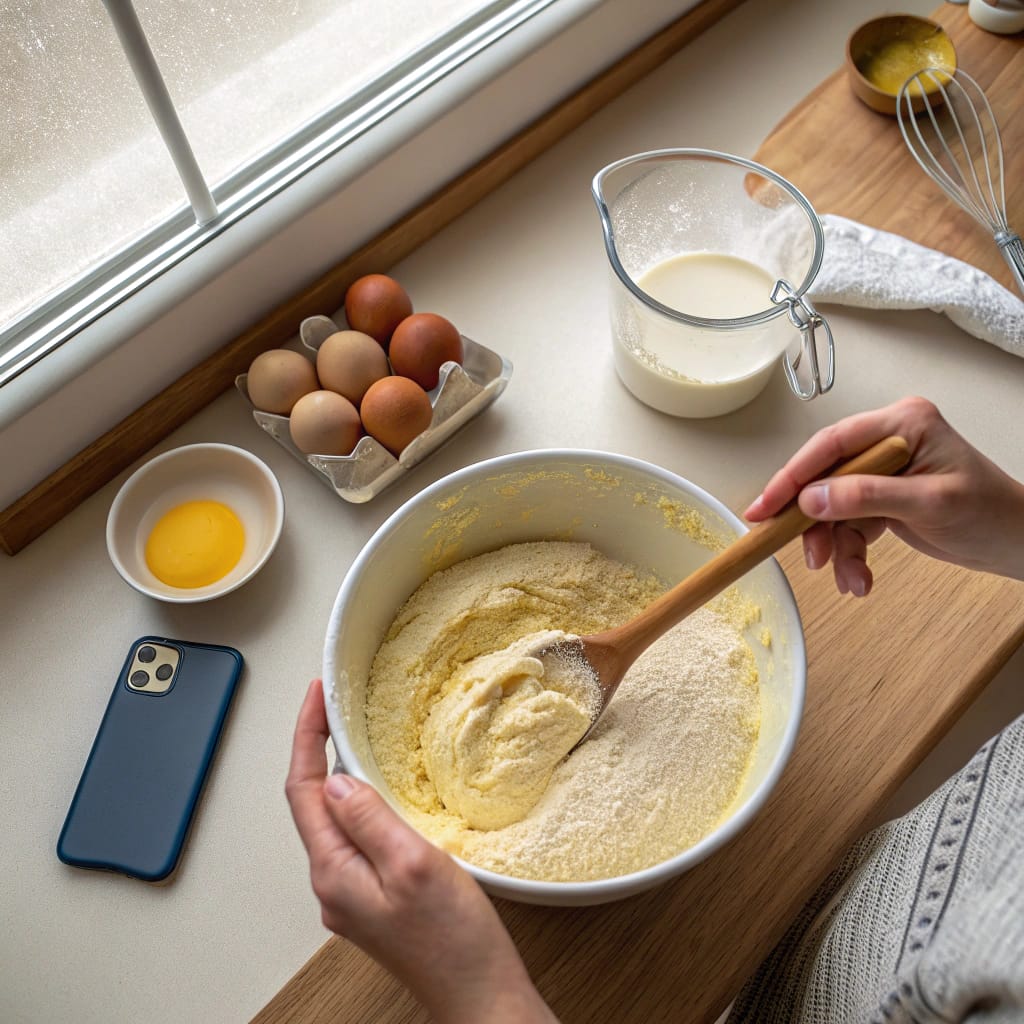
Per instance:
{"type": "Point", "coordinates": [146, 654]}
{"type": "Point", "coordinates": [164, 672]}
{"type": "Point", "coordinates": [139, 678]}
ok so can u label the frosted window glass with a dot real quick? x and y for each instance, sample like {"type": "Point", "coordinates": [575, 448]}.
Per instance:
{"type": "Point", "coordinates": [83, 171]}
{"type": "Point", "coordinates": [244, 74]}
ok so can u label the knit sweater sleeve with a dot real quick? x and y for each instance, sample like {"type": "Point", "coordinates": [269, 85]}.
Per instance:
{"type": "Point", "coordinates": [924, 919]}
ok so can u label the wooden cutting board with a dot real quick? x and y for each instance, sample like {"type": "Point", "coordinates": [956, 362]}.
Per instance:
{"type": "Point", "coordinates": [851, 161]}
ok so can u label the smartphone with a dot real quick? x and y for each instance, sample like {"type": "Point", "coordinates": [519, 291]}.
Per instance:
{"type": "Point", "coordinates": [135, 800]}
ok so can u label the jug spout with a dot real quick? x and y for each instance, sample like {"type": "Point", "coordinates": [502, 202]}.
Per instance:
{"type": "Point", "coordinates": [701, 248]}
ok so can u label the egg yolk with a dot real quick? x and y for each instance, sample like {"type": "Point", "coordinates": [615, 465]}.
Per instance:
{"type": "Point", "coordinates": [892, 63]}
{"type": "Point", "coordinates": [195, 544]}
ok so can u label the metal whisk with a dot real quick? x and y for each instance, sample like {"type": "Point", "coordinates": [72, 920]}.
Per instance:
{"type": "Point", "coordinates": [956, 141]}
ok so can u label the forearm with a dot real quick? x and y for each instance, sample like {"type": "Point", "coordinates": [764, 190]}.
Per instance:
{"type": "Point", "coordinates": [1007, 531]}
{"type": "Point", "coordinates": [508, 999]}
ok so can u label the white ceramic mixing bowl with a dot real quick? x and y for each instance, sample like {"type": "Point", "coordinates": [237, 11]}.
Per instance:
{"type": "Point", "coordinates": [629, 510]}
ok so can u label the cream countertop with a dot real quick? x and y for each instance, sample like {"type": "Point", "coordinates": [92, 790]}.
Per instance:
{"type": "Point", "coordinates": [524, 272]}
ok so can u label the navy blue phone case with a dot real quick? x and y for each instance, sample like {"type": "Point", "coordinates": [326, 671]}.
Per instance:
{"type": "Point", "coordinates": [135, 799]}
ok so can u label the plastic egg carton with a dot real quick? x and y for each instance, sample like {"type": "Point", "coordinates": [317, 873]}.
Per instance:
{"type": "Point", "coordinates": [462, 392]}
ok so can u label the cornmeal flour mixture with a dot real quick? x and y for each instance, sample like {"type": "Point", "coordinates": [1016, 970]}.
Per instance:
{"type": "Point", "coordinates": [659, 772]}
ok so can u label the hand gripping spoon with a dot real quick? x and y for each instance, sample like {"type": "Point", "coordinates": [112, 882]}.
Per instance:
{"type": "Point", "coordinates": [609, 655]}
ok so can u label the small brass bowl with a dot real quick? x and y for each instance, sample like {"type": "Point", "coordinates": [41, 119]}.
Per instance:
{"type": "Point", "coordinates": [884, 52]}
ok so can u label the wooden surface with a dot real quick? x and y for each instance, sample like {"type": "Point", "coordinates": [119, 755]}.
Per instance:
{"type": "Point", "coordinates": [851, 161]}
{"type": "Point", "coordinates": [99, 462]}
{"type": "Point", "coordinates": [887, 676]}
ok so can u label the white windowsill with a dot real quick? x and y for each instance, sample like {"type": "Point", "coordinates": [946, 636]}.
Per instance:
{"type": "Point", "coordinates": [85, 387]}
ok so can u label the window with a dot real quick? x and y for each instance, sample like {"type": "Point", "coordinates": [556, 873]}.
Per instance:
{"type": "Point", "coordinates": [91, 205]}
{"type": "Point", "coordinates": [341, 184]}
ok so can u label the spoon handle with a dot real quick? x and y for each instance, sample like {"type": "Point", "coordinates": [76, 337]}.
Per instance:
{"type": "Point", "coordinates": [887, 457]}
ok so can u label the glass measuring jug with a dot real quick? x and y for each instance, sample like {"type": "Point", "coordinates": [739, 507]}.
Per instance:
{"type": "Point", "coordinates": [710, 256]}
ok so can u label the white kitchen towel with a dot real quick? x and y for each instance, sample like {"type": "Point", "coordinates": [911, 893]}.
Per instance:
{"type": "Point", "coordinates": [875, 269]}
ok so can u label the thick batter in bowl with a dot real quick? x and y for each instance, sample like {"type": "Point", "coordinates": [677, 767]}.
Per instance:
{"type": "Point", "coordinates": [630, 511]}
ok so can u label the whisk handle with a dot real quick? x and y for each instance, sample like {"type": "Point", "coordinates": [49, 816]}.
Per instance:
{"type": "Point", "coordinates": [1013, 250]}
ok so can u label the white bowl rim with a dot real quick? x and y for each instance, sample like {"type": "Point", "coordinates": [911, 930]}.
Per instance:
{"type": "Point", "coordinates": [600, 890]}
{"type": "Point", "coordinates": [144, 470]}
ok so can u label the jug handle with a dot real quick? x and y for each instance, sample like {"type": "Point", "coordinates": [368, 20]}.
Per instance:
{"type": "Point", "coordinates": [806, 319]}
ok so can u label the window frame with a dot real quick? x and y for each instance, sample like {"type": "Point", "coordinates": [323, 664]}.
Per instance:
{"type": "Point", "coordinates": [58, 318]}
{"type": "Point", "coordinates": [81, 391]}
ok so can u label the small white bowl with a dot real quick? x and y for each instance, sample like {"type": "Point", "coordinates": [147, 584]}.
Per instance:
{"type": "Point", "coordinates": [212, 472]}
{"type": "Point", "coordinates": [1006, 21]}
{"type": "Point", "coordinates": [614, 502]}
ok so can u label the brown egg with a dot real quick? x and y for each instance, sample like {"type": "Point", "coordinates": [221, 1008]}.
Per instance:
{"type": "Point", "coordinates": [325, 423]}
{"type": "Point", "coordinates": [420, 344]}
{"type": "Point", "coordinates": [376, 305]}
{"type": "Point", "coordinates": [394, 411]}
{"type": "Point", "coordinates": [349, 362]}
{"type": "Point", "coordinates": [279, 378]}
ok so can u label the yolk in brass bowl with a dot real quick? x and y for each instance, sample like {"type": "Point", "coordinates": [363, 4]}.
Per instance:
{"type": "Point", "coordinates": [883, 53]}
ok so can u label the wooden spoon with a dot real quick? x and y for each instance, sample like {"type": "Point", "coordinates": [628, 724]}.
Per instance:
{"type": "Point", "coordinates": [609, 654]}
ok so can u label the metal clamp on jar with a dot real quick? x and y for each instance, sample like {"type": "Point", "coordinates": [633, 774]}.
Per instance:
{"type": "Point", "coordinates": [702, 247]}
